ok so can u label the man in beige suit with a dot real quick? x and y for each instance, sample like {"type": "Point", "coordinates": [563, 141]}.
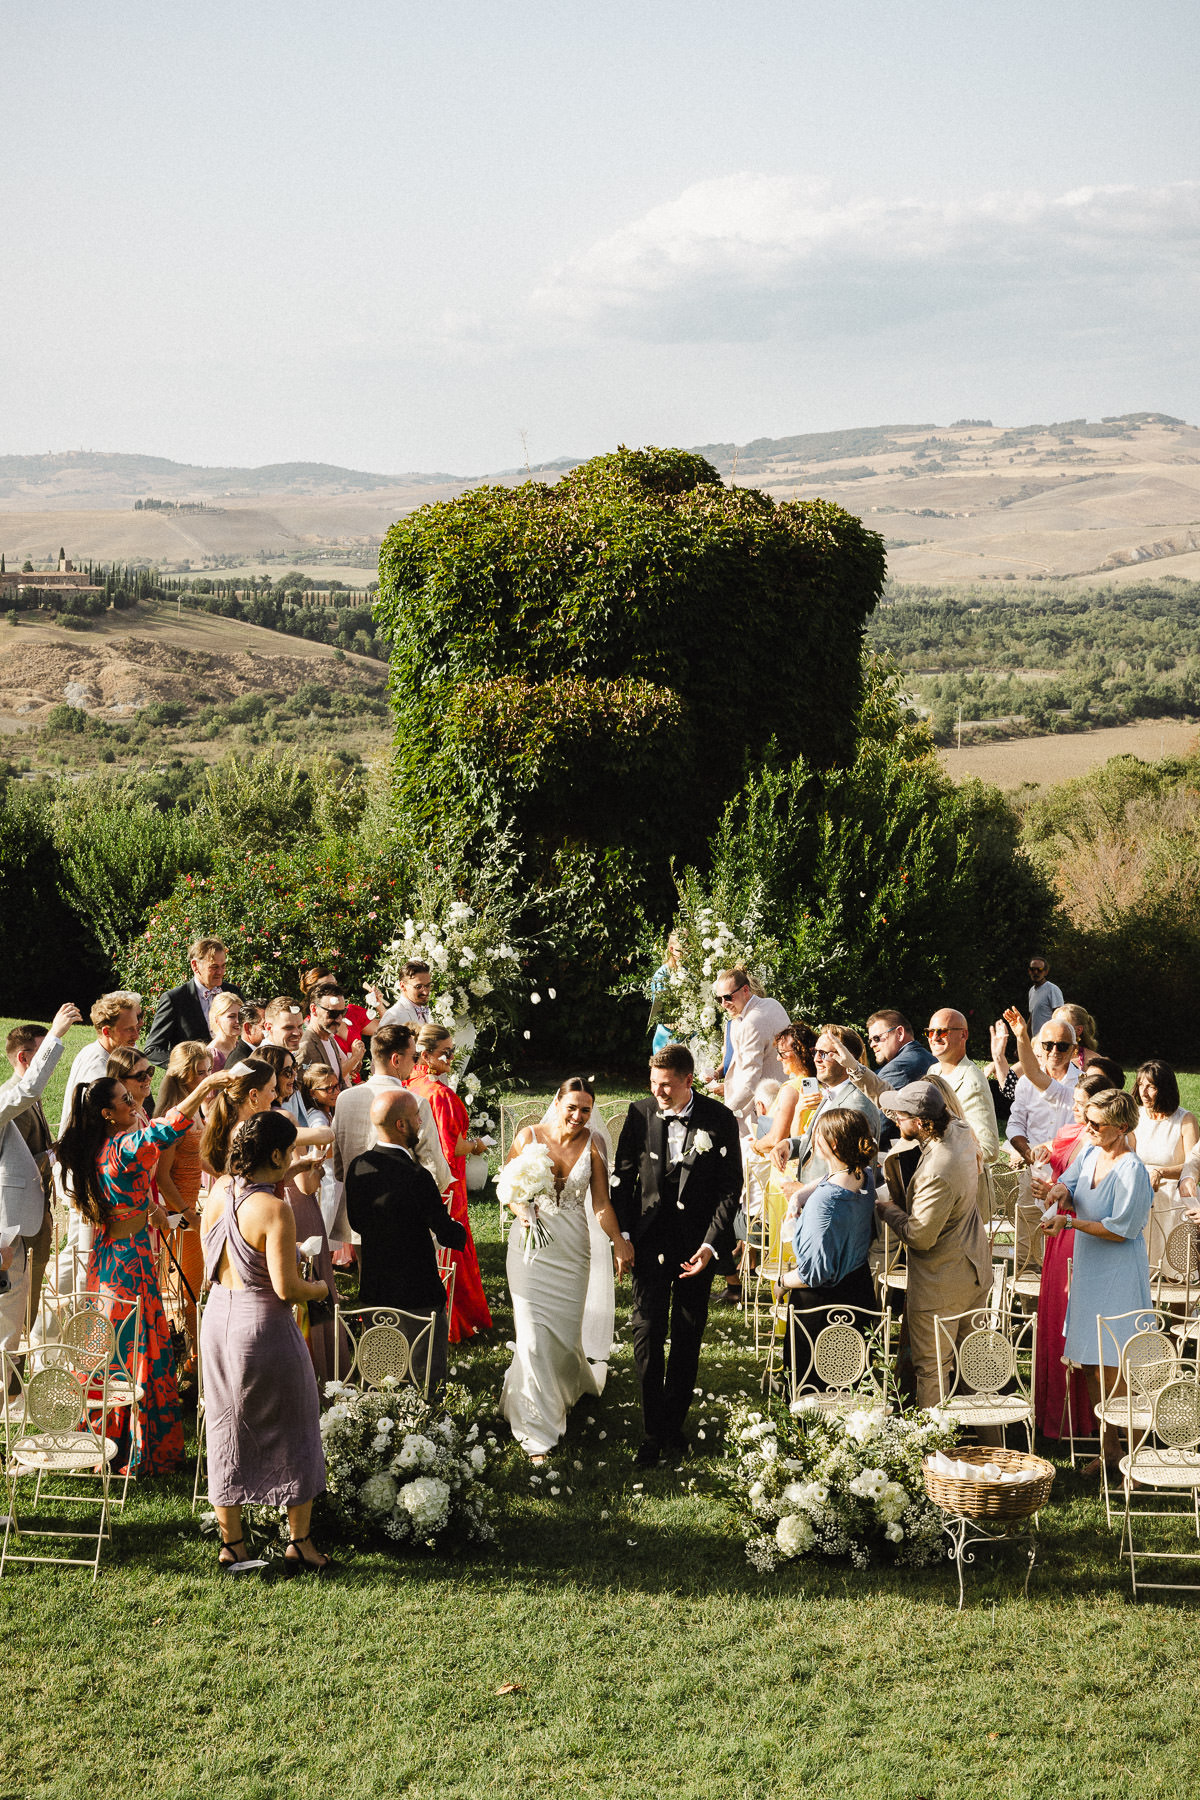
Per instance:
{"type": "Point", "coordinates": [949, 1262]}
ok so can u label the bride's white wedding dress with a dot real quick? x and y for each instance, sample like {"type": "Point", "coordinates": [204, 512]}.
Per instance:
{"type": "Point", "coordinates": [550, 1370]}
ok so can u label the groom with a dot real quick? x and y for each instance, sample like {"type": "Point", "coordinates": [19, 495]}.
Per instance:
{"type": "Point", "coordinates": [676, 1188]}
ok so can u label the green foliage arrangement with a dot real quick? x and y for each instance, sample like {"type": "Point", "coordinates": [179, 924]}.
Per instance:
{"type": "Point", "coordinates": [599, 660]}
{"type": "Point", "coordinates": [1121, 846]}
{"type": "Point", "coordinates": [277, 914]}
{"type": "Point", "coordinates": [880, 884]}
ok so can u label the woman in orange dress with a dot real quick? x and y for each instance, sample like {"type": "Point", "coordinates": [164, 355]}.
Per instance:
{"type": "Point", "coordinates": [179, 1177]}
{"type": "Point", "coordinates": [436, 1055]}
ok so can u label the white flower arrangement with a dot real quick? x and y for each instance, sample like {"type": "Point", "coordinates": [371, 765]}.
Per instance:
{"type": "Point", "coordinates": [708, 944]}
{"type": "Point", "coordinates": [527, 1187]}
{"type": "Point", "coordinates": [836, 1484]}
{"type": "Point", "coordinates": [396, 1465]}
{"type": "Point", "coordinates": [474, 966]}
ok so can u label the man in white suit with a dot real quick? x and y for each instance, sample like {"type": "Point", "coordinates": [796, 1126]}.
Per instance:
{"type": "Point", "coordinates": [22, 1199]}
{"type": "Point", "coordinates": [393, 1059]}
{"type": "Point", "coordinates": [754, 1022]}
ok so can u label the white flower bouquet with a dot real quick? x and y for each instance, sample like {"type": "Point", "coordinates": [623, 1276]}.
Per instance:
{"type": "Point", "coordinates": [394, 1464]}
{"type": "Point", "coordinates": [526, 1186]}
{"type": "Point", "coordinates": [708, 943]}
{"type": "Point", "coordinates": [473, 965]}
{"type": "Point", "coordinates": [836, 1484]}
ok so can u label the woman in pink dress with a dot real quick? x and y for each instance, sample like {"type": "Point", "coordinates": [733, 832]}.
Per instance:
{"type": "Point", "coordinates": [1050, 1372]}
{"type": "Point", "coordinates": [436, 1046]}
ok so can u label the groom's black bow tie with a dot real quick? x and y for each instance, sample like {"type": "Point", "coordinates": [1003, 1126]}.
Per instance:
{"type": "Point", "coordinates": [682, 1117]}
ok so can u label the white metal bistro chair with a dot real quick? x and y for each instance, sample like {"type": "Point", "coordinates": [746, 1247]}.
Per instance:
{"type": "Point", "coordinates": [840, 1356]}
{"type": "Point", "coordinates": [448, 1270]}
{"type": "Point", "coordinates": [1134, 1348]}
{"type": "Point", "coordinates": [388, 1345]}
{"type": "Point", "coordinates": [51, 1434]}
{"type": "Point", "coordinates": [991, 1357]}
{"type": "Point", "coordinates": [1177, 1283]}
{"type": "Point", "coordinates": [1163, 1461]}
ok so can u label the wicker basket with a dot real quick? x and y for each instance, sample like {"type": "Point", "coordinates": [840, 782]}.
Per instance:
{"type": "Point", "coordinates": [989, 1499]}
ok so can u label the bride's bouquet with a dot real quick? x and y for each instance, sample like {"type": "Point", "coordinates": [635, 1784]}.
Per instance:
{"type": "Point", "coordinates": [526, 1186]}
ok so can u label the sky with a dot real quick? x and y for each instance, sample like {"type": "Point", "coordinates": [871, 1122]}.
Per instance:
{"type": "Point", "coordinates": [431, 237]}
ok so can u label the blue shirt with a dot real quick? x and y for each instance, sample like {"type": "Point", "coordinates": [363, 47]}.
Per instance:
{"type": "Point", "coordinates": [910, 1063]}
{"type": "Point", "coordinates": [832, 1236]}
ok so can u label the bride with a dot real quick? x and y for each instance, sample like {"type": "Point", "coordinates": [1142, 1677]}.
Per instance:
{"type": "Point", "coordinates": [550, 1369]}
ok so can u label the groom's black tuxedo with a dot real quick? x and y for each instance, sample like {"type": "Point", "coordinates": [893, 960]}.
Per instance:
{"type": "Point", "coordinates": [669, 1211]}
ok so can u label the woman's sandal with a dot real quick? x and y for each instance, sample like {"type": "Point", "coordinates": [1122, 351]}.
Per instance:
{"type": "Point", "coordinates": [240, 1565]}
{"type": "Point", "coordinates": [300, 1565]}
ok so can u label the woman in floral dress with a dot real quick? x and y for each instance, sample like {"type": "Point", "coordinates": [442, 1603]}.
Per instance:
{"type": "Point", "coordinates": [110, 1163]}
{"type": "Point", "coordinates": [436, 1045]}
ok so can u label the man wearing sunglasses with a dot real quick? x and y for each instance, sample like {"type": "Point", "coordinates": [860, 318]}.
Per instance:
{"type": "Point", "coordinates": [947, 1036]}
{"type": "Point", "coordinates": [899, 1059]}
{"type": "Point", "coordinates": [753, 1023]}
{"type": "Point", "coordinates": [319, 1043]}
{"type": "Point", "coordinates": [1045, 1096]}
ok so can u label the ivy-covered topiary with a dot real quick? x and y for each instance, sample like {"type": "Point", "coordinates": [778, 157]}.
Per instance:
{"type": "Point", "coordinates": [601, 658]}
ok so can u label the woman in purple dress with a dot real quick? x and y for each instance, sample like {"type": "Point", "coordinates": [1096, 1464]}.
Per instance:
{"type": "Point", "coordinates": [261, 1401]}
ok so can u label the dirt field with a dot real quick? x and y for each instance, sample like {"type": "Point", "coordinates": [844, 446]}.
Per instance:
{"type": "Point", "coordinates": [1042, 761]}
{"type": "Point", "coordinates": [129, 660]}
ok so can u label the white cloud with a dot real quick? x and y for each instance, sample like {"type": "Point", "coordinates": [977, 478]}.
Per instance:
{"type": "Point", "coordinates": [754, 257]}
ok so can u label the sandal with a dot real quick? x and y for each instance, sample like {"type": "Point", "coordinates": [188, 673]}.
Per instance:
{"type": "Point", "coordinates": [239, 1565]}
{"type": "Point", "coordinates": [300, 1565]}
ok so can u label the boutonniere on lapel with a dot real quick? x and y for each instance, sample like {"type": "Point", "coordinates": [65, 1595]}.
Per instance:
{"type": "Point", "coordinates": [701, 1142]}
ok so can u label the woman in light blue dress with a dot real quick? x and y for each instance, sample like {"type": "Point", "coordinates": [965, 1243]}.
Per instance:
{"type": "Point", "coordinates": [1109, 1190]}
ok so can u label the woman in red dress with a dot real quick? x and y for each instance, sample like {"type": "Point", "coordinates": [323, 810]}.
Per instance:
{"type": "Point", "coordinates": [436, 1047]}
{"type": "Point", "coordinates": [1050, 1372]}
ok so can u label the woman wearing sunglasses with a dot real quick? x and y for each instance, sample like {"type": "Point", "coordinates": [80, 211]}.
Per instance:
{"type": "Point", "coordinates": [1105, 1198]}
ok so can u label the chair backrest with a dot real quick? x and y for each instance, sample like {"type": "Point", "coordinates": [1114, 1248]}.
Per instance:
{"type": "Point", "coordinates": [834, 1348]}
{"type": "Point", "coordinates": [59, 1399]}
{"type": "Point", "coordinates": [90, 1331]}
{"type": "Point", "coordinates": [995, 1351]}
{"type": "Point", "coordinates": [388, 1345]}
{"type": "Point", "coordinates": [1148, 1361]}
{"type": "Point", "coordinates": [1181, 1254]}
{"type": "Point", "coordinates": [1177, 1413]}
{"type": "Point", "coordinates": [1002, 1183]}
{"type": "Point", "coordinates": [1114, 1332]}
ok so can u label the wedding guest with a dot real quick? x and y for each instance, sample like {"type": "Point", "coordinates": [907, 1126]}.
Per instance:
{"type": "Point", "coordinates": [831, 1233]}
{"type": "Point", "coordinates": [262, 1404]}
{"type": "Point", "coordinates": [845, 1081]}
{"type": "Point", "coordinates": [224, 1015]}
{"type": "Point", "coordinates": [675, 1190]}
{"type": "Point", "coordinates": [319, 1044]}
{"type": "Point", "coordinates": [110, 1163]}
{"type": "Point", "coordinates": [116, 1020]}
{"type": "Point", "coordinates": [660, 983]}
{"type": "Point", "coordinates": [1108, 1191]}
{"type": "Point", "coordinates": [31, 1125]}
{"type": "Point", "coordinates": [411, 1006]}
{"type": "Point", "coordinates": [22, 1195]}
{"type": "Point", "coordinates": [1166, 1135]}
{"type": "Point", "coordinates": [283, 1023]}
{"type": "Point", "coordinates": [947, 1036]}
{"type": "Point", "coordinates": [180, 1174]}
{"type": "Point", "coordinates": [1051, 1374]}
{"type": "Point", "coordinates": [899, 1058]}
{"type": "Point", "coordinates": [319, 1086]}
{"type": "Point", "coordinates": [394, 1206]}
{"type": "Point", "coordinates": [182, 1012]}
{"type": "Point", "coordinates": [949, 1261]}
{"type": "Point", "coordinates": [755, 1022]}
{"type": "Point", "coordinates": [1042, 1103]}
{"type": "Point", "coordinates": [393, 1061]}
{"type": "Point", "coordinates": [435, 1046]}
{"type": "Point", "coordinates": [1087, 1042]}
{"type": "Point", "coordinates": [357, 1027]}
{"type": "Point", "coordinates": [1044, 996]}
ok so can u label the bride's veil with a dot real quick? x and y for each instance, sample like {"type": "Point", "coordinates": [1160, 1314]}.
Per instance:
{"type": "Point", "coordinates": [599, 1308]}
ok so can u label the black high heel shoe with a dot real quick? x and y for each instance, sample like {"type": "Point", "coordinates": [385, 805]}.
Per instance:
{"type": "Point", "coordinates": [240, 1565]}
{"type": "Point", "coordinates": [300, 1565]}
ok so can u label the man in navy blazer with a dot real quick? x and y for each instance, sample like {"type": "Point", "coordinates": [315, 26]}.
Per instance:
{"type": "Point", "coordinates": [182, 1012]}
{"type": "Point", "coordinates": [675, 1189]}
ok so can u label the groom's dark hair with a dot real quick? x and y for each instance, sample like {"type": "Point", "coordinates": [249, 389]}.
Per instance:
{"type": "Point", "coordinates": [674, 1056]}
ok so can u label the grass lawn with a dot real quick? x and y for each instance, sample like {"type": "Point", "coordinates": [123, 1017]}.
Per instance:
{"type": "Point", "coordinates": [649, 1656]}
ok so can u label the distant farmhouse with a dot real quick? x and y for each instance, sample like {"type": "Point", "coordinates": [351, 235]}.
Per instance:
{"type": "Point", "coordinates": [65, 579]}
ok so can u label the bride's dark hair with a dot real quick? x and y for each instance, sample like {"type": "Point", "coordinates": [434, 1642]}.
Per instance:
{"type": "Point", "coordinates": [576, 1084]}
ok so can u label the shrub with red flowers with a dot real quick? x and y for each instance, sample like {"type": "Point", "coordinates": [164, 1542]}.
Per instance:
{"type": "Point", "coordinates": [276, 914]}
